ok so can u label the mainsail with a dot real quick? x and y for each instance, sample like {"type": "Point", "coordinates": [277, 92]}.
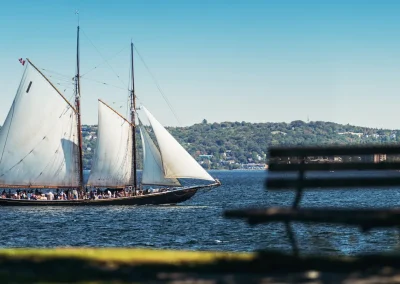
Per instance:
{"type": "Point", "coordinates": [38, 141]}
{"type": "Point", "coordinates": [153, 172]}
{"type": "Point", "coordinates": [176, 161]}
{"type": "Point", "coordinates": [112, 161]}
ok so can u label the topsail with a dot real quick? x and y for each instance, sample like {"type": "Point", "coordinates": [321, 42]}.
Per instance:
{"type": "Point", "coordinates": [38, 141]}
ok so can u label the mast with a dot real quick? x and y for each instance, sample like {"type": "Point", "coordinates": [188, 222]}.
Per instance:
{"type": "Point", "coordinates": [133, 108]}
{"type": "Point", "coordinates": [78, 110]}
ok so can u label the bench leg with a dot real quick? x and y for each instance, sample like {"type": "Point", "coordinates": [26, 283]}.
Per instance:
{"type": "Point", "coordinates": [292, 239]}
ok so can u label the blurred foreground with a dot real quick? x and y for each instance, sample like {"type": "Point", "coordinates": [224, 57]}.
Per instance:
{"type": "Point", "coordinates": [81, 265]}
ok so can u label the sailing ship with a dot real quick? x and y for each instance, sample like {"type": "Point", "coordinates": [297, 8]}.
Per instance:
{"type": "Point", "coordinates": [42, 150]}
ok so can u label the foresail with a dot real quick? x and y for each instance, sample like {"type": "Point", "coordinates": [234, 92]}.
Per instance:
{"type": "Point", "coordinates": [38, 140]}
{"type": "Point", "coordinates": [153, 172]}
{"type": "Point", "coordinates": [112, 161]}
{"type": "Point", "coordinates": [177, 163]}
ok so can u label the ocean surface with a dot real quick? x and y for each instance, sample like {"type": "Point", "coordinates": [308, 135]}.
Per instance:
{"type": "Point", "coordinates": [198, 224]}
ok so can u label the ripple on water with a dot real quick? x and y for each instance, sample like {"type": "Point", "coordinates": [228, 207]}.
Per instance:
{"type": "Point", "coordinates": [198, 224]}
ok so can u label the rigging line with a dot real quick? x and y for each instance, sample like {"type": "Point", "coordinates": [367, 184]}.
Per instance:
{"type": "Point", "coordinates": [103, 83]}
{"type": "Point", "coordinates": [129, 95]}
{"type": "Point", "coordinates": [50, 162]}
{"type": "Point", "coordinates": [37, 144]}
{"type": "Point", "coordinates": [62, 75]}
{"type": "Point", "coordinates": [64, 87]}
{"type": "Point", "coordinates": [158, 85]}
{"type": "Point", "coordinates": [62, 83]}
{"type": "Point", "coordinates": [112, 57]}
{"type": "Point", "coordinates": [60, 79]}
{"type": "Point", "coordinates": [103, 58]}
{"type": "Point", "coordinates": [57, 79]}
{"type": "Point", "coordinates": [72, 96]}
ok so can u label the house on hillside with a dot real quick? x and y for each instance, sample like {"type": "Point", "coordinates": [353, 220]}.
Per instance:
{"type": "Point", "coordinates": [351, 133]}
{"type": "Point", "coordinates": [206, 156]}
{"type": "Point", "coordinates": [379, 158]}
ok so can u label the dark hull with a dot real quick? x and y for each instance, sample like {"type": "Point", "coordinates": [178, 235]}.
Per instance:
{"type": "Point", "coordinates": [168, 197]}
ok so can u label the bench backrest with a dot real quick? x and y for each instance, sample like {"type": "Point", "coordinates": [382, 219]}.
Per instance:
{"type": "Point", "coordinates": [297, 159]}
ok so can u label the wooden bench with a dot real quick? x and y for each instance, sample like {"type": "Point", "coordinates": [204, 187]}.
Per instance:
{"type": "Point", "coordinates": [284, 175]}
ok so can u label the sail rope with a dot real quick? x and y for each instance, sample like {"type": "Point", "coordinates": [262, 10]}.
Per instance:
{"type": "Point", "coordinates": [57, 172]}
{"type": "Point", "coordinates": [112, 57]}
{"type": "Point", "coordinates": [105, 60]}
{"type": "Point", "coordinates": [59, 74]}
{"type": "Point", "coordinates": [119, 77]}
{"type": "Point", "coordinates": [104, 83]}
{"type": "Point", "coordinates": [157, 85]}
{"type": "Point", "coordinates": [68, 82]}
{"type": "Point", "coordinates": [62, 163]}
{"type": "Point", "coordinates": [32, 150]}
{"type": "Point", "coordinates": [61, 80]}
{"type": "Point", "coordinates": [42, 138]}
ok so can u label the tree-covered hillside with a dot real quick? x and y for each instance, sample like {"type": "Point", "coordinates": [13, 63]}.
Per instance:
{"type": "Point", "coordinates": [230, 144]}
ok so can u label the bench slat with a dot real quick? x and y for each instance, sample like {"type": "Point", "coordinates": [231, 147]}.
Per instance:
{"type": "Point", "coordinates": [274, 167]}
{"type": "Point", "coordinates": [279, 183]}
{"type": "Point", "coordinates": [275, 152]}
{"type": "Point", "coordinates": [366, 218]}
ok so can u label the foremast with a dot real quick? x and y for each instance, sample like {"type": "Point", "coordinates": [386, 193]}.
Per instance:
{"type": "Point", "coordinates": [78, 112]}
{"type": "Point", "coordinates": [133, 108]}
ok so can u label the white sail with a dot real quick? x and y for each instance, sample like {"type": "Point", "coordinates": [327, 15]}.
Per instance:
{"type": "Point", "coordinates": [38, 141]}
{"type": "Point", "coordinates": [177, 163]}
{"type": "Point", "coordinates": [112, 161]}
{"type": "Point", "coordinates": [153, 172]}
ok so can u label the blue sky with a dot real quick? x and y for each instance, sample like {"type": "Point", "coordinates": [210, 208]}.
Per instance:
{"type": "Point", "coordinates": [253, 61]}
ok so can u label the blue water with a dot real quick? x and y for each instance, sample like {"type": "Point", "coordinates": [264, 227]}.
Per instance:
{"type": "Point", "coordinates": [198, 224]}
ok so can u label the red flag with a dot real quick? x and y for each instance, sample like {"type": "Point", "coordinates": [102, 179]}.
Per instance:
{"type": "Point", "coordinates": [22, 61]}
